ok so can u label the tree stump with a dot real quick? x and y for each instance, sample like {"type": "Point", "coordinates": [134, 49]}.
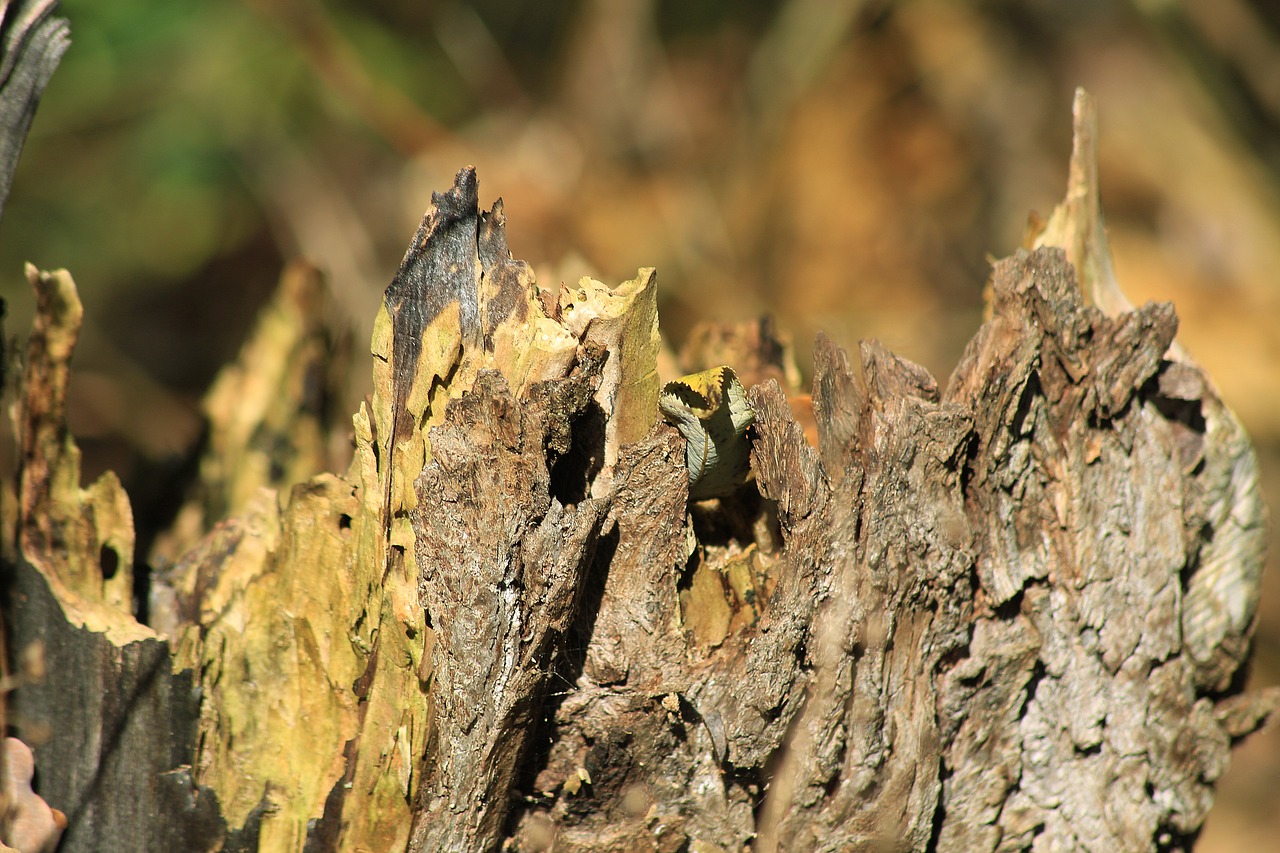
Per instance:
{"type": "Point", "coordinates": [1005, 614]}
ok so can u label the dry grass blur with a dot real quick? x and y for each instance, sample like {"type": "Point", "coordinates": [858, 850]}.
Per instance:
{"type": "Point", "coordinates": [845, 165]}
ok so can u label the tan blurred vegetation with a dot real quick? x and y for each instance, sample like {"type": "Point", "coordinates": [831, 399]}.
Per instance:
{"type": "Point", "coordinates": [847, 166]}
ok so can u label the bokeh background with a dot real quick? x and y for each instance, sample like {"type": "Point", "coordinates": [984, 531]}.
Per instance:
{"type": "Point", "coordinates": [845, 165]}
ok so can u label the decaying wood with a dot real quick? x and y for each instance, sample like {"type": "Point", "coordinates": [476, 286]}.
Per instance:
{"type": "Point", "coordinates": [110, 715]}
{"type": "Point", "coordinates": [1005, 613]}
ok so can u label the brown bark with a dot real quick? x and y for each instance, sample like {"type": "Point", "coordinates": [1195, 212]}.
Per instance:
{"type": "Point", "coordinates": [1003, 614]}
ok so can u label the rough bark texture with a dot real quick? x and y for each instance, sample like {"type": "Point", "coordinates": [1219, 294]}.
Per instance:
{"type": "Point", "coordinates": [1007, 614]}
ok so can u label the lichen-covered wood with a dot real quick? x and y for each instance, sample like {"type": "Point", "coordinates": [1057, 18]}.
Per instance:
{"type": "Point", "coordinates": [1005, 612]}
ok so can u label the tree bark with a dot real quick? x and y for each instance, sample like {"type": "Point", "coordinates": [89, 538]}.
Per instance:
{"type": "Point", "coordinates": [1005, 614]}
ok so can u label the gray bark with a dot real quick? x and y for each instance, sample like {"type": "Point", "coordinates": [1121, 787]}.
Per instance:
{"type": "Point", "coordinates": [33, 42]}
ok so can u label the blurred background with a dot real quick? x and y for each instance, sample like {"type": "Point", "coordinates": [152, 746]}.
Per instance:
{"type": "Point", "coordinates": [848, 166]}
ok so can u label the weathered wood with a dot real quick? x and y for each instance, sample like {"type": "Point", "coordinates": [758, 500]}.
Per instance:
{"type": "Point", "coordinates": [1003, 613]}
{"type": "Point", "coordinates": [109, 714]}
{"type": "Point", "coordinates": [120, 728]}
{"type": "Point", "coordinates": [33, 44]}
